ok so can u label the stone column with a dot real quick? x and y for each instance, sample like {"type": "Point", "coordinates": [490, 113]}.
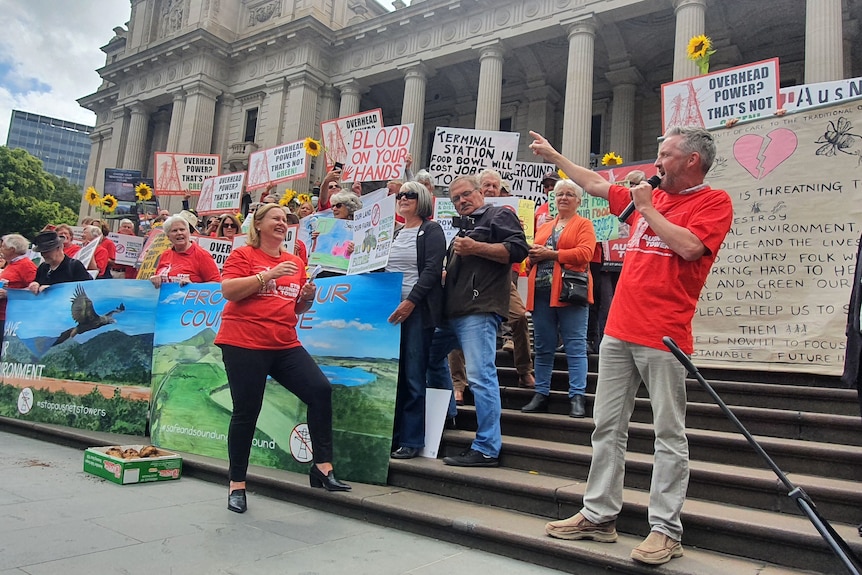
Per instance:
{"type": "Point", "coordinates": [221, 131]}
{"type": "Point", "coordinates": [578, 115]}
{"type": "Point", "coordinates": [99, 141]}
{"type": "Point", "coordinates": [824, 44]}
{"type": "Point", "coordinates": [300, 116]}
{"type": "Point", "coordinates": [690, 21]}
{"type": "Point", "coordinates": [542, 100]}
{"type": "Point", "coordinates": [198, 119]}
{"type": "Point", "coordinates": [134, 157]}
{"type": "Point", "coordinates": [119, 130]}
{"type": "Point", "coordinates": [624, 82]}
{"type": "Point", "coordinates": [413, 107]}
{"type": "Point", "coordinates": [351, 93]}
{"type": "Point", "coordinates": [272, 114]}
{"type": "Point", "coordinates": [161, 130]}
{"type": "Point", "coordinates": [176, 126]}
{"type": "Point", "coordinates": [490, 88]}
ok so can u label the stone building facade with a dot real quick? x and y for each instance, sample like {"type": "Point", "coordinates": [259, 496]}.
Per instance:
{"type": "Point", "coordinates": [233, 76]}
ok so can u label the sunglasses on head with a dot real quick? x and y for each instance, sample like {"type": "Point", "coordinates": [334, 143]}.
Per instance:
{"type": "Point", "coordinates": [408, 195]}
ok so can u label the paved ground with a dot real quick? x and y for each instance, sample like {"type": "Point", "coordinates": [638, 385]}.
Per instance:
{"type": "Point", "coordinates": [54, 518]}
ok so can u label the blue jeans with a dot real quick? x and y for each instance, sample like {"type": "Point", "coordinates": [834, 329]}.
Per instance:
{"type": "Point", "coordinates": [572, 324]}
{"type": "Point", "coordinates": [409, 429]}
{"type": "Point", "coordinates": [476, 335]}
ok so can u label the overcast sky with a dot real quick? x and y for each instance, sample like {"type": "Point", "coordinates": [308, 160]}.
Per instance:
{"type": "Point", "coordinates": [49, 51]}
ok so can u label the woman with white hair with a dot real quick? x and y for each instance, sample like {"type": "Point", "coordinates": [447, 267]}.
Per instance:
{"type": "Point", "coordinates": [19, 273]}
{"type": "Point", "coordinates": [184, 262]}
{"type": "Point", "coordinates": [344, 205]}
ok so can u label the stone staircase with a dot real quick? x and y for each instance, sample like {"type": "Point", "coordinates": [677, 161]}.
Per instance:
{"type": "Point", "coordinates": [736, 505]}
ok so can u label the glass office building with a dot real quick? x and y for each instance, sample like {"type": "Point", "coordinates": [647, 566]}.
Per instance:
{"type": "Point", "coordinates": [63, 147]}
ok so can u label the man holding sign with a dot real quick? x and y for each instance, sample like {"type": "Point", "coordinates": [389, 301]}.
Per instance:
{"type": "Point", "coordinates": [477, 290]}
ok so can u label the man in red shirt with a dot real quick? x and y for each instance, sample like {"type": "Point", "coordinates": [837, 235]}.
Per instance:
{"type": "Point", "coordinates": [676, 233]}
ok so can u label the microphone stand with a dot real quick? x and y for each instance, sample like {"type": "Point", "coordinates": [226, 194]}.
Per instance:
{"type": "Point", "coordinates": [803, 501]}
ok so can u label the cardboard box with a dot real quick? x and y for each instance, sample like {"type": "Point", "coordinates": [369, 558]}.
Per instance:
{"type": "Point", "coordinates": [165, 467]}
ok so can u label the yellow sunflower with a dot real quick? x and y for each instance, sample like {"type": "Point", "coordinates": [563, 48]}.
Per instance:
{"type": "Point", "coordinates": [238, 217]}
{"type": "Point", "coordinates": [312, 146]}
{"type": "Point", "coordinates": [287, 197]}
{"type": "Point", "coordinates": [303, 198]}
{"type": "Point", "coordinates": [698, 46]}
{"type": "Point", "coordinates": [93, 197]}
{"type": "Point", "coordinates": [109, 204]}
{"type": "Point", "coordinates": [611, 159]}
{"type": "Point", "coordinates": [143, 192]}
{"type": "Point", "coordinates": [562, 174]}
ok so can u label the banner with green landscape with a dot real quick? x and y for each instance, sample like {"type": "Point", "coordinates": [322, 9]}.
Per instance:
{"type": "Point", "coordinates": [347, 334]}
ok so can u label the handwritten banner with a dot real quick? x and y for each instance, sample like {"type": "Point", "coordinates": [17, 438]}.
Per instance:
{"type": "Point", "coordinates": [373, 229]}
{"type": "Point", "coordinates": [744, 92]}
{"type": "Point", "coordinates": [460, 151]}
{"type": "Point", "coordinates": [336, 134]}
{"type": "Point", "coordinates": [527, 181]}
{"type": "Point", "coordinates": [221, 194]}
{"type": "Point", "coordinates": [279, 164]}
{"type": "Point", "coordinates": [180, 174]}
{"type": "Point", "coordinates": [330, 248]}
{"type": "Point", "coordinates": [378, 154]}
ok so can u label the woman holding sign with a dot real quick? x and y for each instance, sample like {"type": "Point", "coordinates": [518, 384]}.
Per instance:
{"type": "Point", "coordinates": [417, 252]}
{"type": "Point", "coordinates": [184, 262]}
{"type": "Point", "coordinates": [266, 288]}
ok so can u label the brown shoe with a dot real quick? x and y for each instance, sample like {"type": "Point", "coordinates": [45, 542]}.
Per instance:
{"type": "Point", "coordinates": [527, 380]}
{"type": "Point", "coordinates": [577, 527]}
{"type": "Point", "coordinates": [657, 549]}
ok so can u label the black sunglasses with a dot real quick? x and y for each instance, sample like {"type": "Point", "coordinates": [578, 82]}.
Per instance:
{"type": "Point", "coordinates": [408, 195]}
{"type": "Point", "coordinates": [228, 225]}
{"type": "Point", "coordinates": [338, 205]}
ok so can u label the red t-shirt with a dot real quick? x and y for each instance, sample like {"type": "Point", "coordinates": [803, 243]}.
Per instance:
{"type": "Point", "coordinates": [110, 248]}
{"type": "Point", "coordinates": [267, 319]}
{"type": "Point", "coordinates": [658, 290]}
{"type": "Point", "coordinates": [101, 257]}
{"type": "Point", "coordinates": [301, 251]}
{"type": "Point", "coordinates": [18, 274]}
{"type": "Point", "coordinates": [195, 265]}
{"type": "Point", "coordinates": [71, 250]}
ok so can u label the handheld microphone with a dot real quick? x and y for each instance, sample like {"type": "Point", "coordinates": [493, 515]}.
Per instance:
{"type": "Point", "coordinates": [655, 182]}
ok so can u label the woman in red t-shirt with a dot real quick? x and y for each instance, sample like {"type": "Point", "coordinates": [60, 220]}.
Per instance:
{"type": "Point", "coordinates": [185, 262]}
{"type": "Point", "coordinates": [18, 273]}
{"type": "Point", "coordinates": [265, 288]}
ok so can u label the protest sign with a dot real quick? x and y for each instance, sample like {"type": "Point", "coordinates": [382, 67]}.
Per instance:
{"type": "Point", "coordinates": [597, 210]}
{"type": "Point", "coordinates": [85, 254]}
{"type": "Point", "coordinates": [330, 248]}
{"type": "Point", "coordinates": [377, 154]}
{"type": "Point", "coordinates": [121, 183]}
{"type": "Point", "coordinates": [373, 229]}
{"type": "Point", "coordinates": [527, 181]}
{"type": "Point", "coordinates": [776, 296]}
{"type": "Point", "coordinates": [336, 134]}
{"type": "Point", "coordinates": [128, 248]}
{"type": "Point", "coordinates": [348, 335]}
{"type": "Point", "coordinates": [444, 211]}
{"type": "Point", "coordinates": [156, 243]}
{"type": "Point", "coordinates": [797, 98]}
{"type": "Point", "coordinates": [744, 92]}
{"type": "Point", "coordinates": [279, 164]}
{"type": "Point", "coordinates": [221, 194]}
{"type": "Point", "coordinates": [460, 151]}
{"type": "Point", "coordinates": [218, 248]}
{"type": "Point", "coordinates": [180, 174]}
{"type": "Point", "coordinates": [91, 373]}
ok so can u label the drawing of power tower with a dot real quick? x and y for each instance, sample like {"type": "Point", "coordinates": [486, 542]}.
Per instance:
{"type": "Point", "coordinates": [686, 109]}
{"type": "Point", "coordinates": [335, 146]}
{"type": "Point", "coordinates": [169, 177]}
{"type": "Point", "coordinates": [258, 174]}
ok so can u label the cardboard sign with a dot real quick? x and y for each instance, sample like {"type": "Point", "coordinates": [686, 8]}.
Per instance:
{"type": "Point", "coordinates": [796, 98]}
{"type": "Point", "coordinates": [218, 248]}
{"type": "Point", "coordinates": [336, 134]}
{"type": "Point", "coordinates": [378, 154]}
{"type": "Point", "coordinates": [744, 92]}
{"type": "Point", "coordinates": [459, 151]}
{"type": "Point", "coordinates": [180, 174]}
{"type": "Point", "coordinates": [128, 248]}
{"type": "Point", "coordinates": [373, 230]}
{"type": "Point", "coordinates": [279, 164]}
{"type": "Point", "coordinates": [527, 181]}
{"type": "Point", "coordinates": [221, 194]}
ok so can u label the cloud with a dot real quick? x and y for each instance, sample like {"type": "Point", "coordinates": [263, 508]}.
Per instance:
{"type": "Point", "coordinates": [322, 345]}
{"type": "Point", "coordinates": [343, 324]}
{"type": "Point", "coordinates": [178, 296]}
{"type": "Point", "coordinates": [49, 52]}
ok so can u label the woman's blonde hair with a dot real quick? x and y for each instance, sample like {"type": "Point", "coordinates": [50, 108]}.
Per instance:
{"type": "Point", "coordinates": [257, 217]}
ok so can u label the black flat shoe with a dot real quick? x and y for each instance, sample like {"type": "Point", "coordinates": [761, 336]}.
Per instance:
{"type": "Point", "coordinates": [317, 479]}
{"type": "Point", "coordinates": [236, 501]}
{"type": "Point", "coordinates": [405, 453]}
{"type": "Point", "coordinates": [578, 408]}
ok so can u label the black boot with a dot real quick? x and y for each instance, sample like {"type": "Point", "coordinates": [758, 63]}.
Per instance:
{"type": "Point", "coordinates": [578, 409]}
{"type": "Point", "coordinates": [539, 404]}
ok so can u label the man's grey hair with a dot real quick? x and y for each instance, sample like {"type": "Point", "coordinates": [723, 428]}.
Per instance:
{"type": "Point", "coordinates": [695, 139]}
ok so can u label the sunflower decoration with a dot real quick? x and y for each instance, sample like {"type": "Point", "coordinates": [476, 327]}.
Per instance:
{"type": "Point", "coordinates": [312, 146]}
{"type": "Point", "coordinates": [562, 174]}
{"type": "Point", "coordinates": [287, 197]}
{"type": "Point", "coordinates": [109, 204]}
{"type": "Point", "coordinates": [303, 199]}
{"type": "Point", "coordinates": [143, 192]}
{"type": "Point", "coordinates": [611, 159]}
{"type": "Point", "coordinates": [699, 50]}
{"type": "Point", "coordinates": [93, 197]}
{"type": "Point", "coordinates": [239, 217]}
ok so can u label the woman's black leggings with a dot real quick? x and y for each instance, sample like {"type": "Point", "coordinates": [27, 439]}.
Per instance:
{"type": "Point", "coordinates": [297, 372]}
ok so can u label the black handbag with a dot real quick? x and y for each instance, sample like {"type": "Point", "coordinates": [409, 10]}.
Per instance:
{"type": "Point", "coordinates": [574, 288]}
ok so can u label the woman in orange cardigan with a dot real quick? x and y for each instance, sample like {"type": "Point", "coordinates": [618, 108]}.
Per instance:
{"type": "Point", "coordinates": [568, 240]}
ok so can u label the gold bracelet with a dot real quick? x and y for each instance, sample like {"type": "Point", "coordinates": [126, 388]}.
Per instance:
{"type": "Point", "coordinates": [259, 277]}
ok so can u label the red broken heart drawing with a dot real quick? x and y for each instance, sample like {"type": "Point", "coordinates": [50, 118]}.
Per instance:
{"type": "Point", "coordinates": [758, 160]}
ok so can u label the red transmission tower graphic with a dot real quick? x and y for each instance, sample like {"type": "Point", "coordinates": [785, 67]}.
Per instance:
{"type": "Point", "coordinates": [259, 174]}
{"type": "Point", "coordinates": [335, 147]}
{"type": "Point", "coordinates": [686, 110]}
{"type": "Point", "coordinates": [169, 177]}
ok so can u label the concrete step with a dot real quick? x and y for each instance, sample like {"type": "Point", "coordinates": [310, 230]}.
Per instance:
{"type": "Point", "coordinates": [755, 487]}
{"type": "Point", "coordinates": [823, 427]}
{"type": "Point", "coordinates": [755, 534]}
{"type": "Point", "coordinates": [493, 529]}
{"type": "Point", "coordinates": [791, 455]}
